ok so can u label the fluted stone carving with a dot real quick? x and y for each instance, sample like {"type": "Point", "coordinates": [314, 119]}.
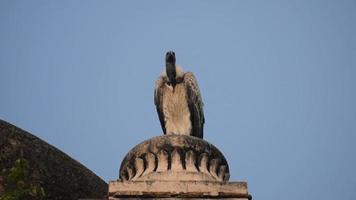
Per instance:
{"type": "Point", "coordinates": [170, 157]}
{"type": "Point", "coordinates": [203, 164]}
{"type": "Point", "coordinates": [140, 168]}
{"type": "Point", "coordinates": [176, 164]}
{"type": "Point", "coordinates": [162, 161]}
{"type": "Point", "coordinates": [190, 161]}
{"type": "Point", "coordinates": [172, 166]}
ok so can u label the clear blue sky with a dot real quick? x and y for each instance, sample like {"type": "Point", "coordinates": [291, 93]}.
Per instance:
{"type": "Point", "coordinates": [278, 80]}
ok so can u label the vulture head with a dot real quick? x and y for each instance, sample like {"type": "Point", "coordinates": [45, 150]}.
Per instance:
{"type": "Point", "coordinates": [171, 67]}
{"type": "Point", "coordinates": [171, 57]}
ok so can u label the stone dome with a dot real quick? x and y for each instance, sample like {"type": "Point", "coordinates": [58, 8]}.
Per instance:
{"type": "Point", "coordinates": [61, 176]}
{"type": "Point", "coordinates": [175, 157]}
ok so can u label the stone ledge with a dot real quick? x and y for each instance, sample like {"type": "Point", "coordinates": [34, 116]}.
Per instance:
{"type": "Point", "coordinates": [177, 189]}
{"type": "Point", "coordinates": [179, 198]}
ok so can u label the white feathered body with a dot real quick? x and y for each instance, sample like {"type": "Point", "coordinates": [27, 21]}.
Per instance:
{"type": "Point", "coordinates": [180, 110]}
{"type": "Point", "coordinates": [176, 111]}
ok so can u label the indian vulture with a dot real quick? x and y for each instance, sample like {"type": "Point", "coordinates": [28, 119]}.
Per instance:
{"type": "Point", "coordinates": [178, 101]}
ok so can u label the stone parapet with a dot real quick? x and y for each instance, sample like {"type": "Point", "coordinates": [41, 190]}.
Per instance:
{"type": "Point", "coordinates": [177, 189]}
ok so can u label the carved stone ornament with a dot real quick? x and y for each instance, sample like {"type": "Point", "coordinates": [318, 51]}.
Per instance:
{"type": "Point", "coordinates": [174, 167]}
{"type": "Point", "coordinates": [174, 157]}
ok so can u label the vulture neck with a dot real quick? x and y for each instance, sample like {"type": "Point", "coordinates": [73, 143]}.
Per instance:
{"type": "Point", "coordinates": [171, 73]}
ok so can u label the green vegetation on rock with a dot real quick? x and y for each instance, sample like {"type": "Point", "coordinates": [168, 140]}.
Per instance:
{"type": "Point", "coordinates": [17, 184]}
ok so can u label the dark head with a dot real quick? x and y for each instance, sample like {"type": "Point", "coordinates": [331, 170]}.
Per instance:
{"type": "Point", "coordinates": [171, 57]}
{"type": "Point", "coordinates": [171, 67]}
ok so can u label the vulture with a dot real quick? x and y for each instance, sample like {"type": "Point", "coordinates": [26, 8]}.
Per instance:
{"type": "Point", "coordinates": [178, 101]}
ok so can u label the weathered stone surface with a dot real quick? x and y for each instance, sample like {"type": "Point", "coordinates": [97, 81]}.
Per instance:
{"type": "Point", "coordinates": [171, 198]}
{"type": "Point", "coordinates": [175, 167]}
{"type": "Point", "coordinates": [175, 157]}
{"type": "Point", "coordinates": [61, 176]}
{"type": "Point", "coordinates": [177, 198]}
{"type": "Point", "coordinates": [181, 189]}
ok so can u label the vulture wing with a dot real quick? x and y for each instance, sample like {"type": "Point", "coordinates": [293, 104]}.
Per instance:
{"type": "Point", "coordinates": [158, 97]}
{"type": "Point", "coordinates": [195, 104]}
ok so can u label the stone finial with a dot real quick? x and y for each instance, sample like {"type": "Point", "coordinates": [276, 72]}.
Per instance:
{"type": "Point", "coordinates": [174, 157]}
{"type": "Point", "coordinates": [176, 166]}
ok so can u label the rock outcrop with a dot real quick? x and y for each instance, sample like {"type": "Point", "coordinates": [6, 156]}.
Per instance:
{"type": "Point", "coordinates": [59, 175]}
